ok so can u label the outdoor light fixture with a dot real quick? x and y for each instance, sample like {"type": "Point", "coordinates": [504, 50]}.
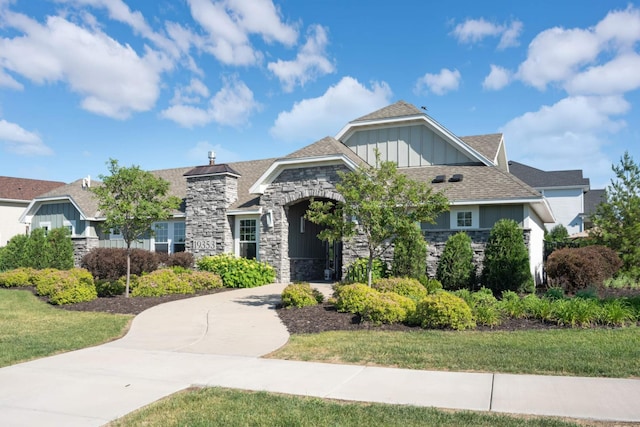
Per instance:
{"type": "Point", "coordinates": [269, 218]}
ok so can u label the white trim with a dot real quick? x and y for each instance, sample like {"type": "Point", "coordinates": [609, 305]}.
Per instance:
{"type": "Point", "coordinates": [475, 217]}
{"type": "Point", "coordinates": [44, 224]}
{"type": "Point", "coordinates": [236, 237]}
{"type": "Point", "coordinates": [278, 166]}
{"type": "Point", "coordinates": [241, 212]}
{"type": "Point", "coordinates": [72, 224]}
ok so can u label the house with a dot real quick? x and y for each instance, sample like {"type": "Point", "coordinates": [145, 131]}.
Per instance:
{"type": "Point", "coordinates": [15, 195]}
{"type": "Point", "coordinates": [567, 191]}
{"type": "Point", "coordinates": [256, 208]}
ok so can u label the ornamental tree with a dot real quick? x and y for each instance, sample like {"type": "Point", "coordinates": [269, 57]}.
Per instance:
{"type": "Point", "coordinates": [617, 219]}
{"type": "Point", "coordinates": [380, 204]}
{"type": "Point", "coordinates": [131, 200]}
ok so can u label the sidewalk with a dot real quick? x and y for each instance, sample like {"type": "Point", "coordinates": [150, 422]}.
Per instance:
{"type": "Point", "coordinates": [215, 340]}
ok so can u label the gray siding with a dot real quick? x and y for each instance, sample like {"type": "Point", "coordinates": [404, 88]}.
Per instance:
{"type": "Point", "coordinates": [56, 214]}
{"type": "Point", "coordinates": [307, 244]}
{"type": "Point", "coordinates": [442, 223]}
{"type": "Point", "coordinates": [490, 214]}
{"type": "Point", "coordinates": [415, 145]}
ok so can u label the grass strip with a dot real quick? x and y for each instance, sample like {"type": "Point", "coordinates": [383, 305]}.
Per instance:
{"type": "Point", "coordinates": [30, 328]}
{"type": "Point", "coordinates": [595, 352]}
{"type": "Point", "coordinates": [223, 407]}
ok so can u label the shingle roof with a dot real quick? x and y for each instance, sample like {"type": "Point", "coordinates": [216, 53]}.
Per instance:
{"type": "Point", "coordinates": [81, 196]}
{"type": "Point", "coordinates": [544, 179]}
{"type": "Point", "coordinates": [487, 145]}
{"type": "Point", "coordinates": [211, 170]}
{"type": "Point", "coordinates": [325, 147]}
{"type": "Point", "coordinates": [25, 189]}
{"type": "Point", "coordinates": [249, 172]}
{"type": "Point", "coordinates": [478, 182]}
{"type": "Point", "coordinates": [592, 199]}
{"type": "Point", "coordinates": [399, 109]}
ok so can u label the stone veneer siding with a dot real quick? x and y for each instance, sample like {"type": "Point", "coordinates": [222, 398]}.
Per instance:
{"type": "Point", "coordinates": [82, 246]}
{"type": "Point", "coordinates": [208, 229]}
{"type": "Point", "coordinates": [290, 187]}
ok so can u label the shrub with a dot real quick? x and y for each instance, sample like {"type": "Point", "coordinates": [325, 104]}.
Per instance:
{"type": "Point", "coordinates": [111, 263]}
{"type": "Point", "coordinates": [65, 286]}
{"type": "Point", "coordinates": [14, 253]}
{"type": "Point", "coordinates": [484, 307]}
{"type": "Point", "coordinates": [388, 307]}
{"type": "Point", "coordinates": [576, 312]}
{"type": "Point", "coordinates": [506, 260]}
{"type": "Point", "coordinates": [352, 298]}
{"type": "Point", "coordinates": [538, 308]}
{"type": "Point", "coordinates": [301, 295]}
{"type": "Point", "coordinates": [455, 268]}
{"type": "Point", "coordinates": [17, 277]}
{"type": "Point", "coordinates": [404, 286]}
{"type": "Point", "coordinates": [180, 259]}
{"type": "Point", "coordinates": [238, 272]}
{"type": "Point", "coordinates": [37, 250]}
{"type": "Point", "coordinates": [357, 271]}
{"type": "Point", "coordinates": [410, 255]}
{"type": "Point", "coordinates": [444, 310]}
{"type": "Point", "coordinates": [160, 282]}
{"type": "Point", "coordinates": [60, 249]}
{"type": "Point", "coordinates": [109, 288]}
{"type": "Point", "coordinates": [579, 268]}
{"type": "Point", "coordinates": [199, 280]}
{"type": "Point", "coordinates": [511, 304]}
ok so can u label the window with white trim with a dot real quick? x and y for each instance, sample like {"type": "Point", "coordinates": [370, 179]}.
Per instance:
{"type": "Point", "coordinates": [162, 237]}
{"type": "Point", "coordinates": [464, 219]}
{"type": "Point", "coordinates": [71, 226]}
{"type": "Point", "coordinates": [46, 226]}
{"type": "Point", "coordinates": [179, 236]}
{"type": "Point", "coordinates": [247, 236]}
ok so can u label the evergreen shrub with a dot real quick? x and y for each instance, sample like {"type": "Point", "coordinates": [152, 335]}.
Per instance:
{"type": "Point", "coordinates": [456, 269]}
{"type": "Point", "coordinates": [409, 255]}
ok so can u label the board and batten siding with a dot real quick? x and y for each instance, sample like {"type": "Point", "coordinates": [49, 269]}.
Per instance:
{"type": "Point", "coordinates": [414, 145]}
{"type": "Point", "coordinates": [55, 215]}
{"type": "Point", "coordinates": [489, 215]}
{"type": "Point", "coordinates": [304, 244]}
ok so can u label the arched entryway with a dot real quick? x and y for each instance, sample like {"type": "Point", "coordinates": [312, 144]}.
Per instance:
{"type": "Point", "coordinates": [310, 258]}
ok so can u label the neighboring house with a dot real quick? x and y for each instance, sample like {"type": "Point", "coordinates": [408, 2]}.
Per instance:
{"type": "Point", "coordinates": [564, 190]}
{"type": "Point", "coordinates": [15, 196]}
{"type": "Point", "coordinates": [256, 208]}
{"type": "Point", "coordinates": [592, 199]}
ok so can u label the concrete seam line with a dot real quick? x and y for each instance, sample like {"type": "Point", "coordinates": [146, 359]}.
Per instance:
{"type": "Point", "coordinates": [345, 381]}
{"type": "Point", "coordinates": [493, 380]}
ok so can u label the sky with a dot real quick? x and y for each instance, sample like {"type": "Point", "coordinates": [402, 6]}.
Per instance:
{"type": "Point", "coordinates": [160, 83]}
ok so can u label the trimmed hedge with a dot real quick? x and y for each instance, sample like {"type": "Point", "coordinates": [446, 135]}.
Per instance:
{"type": "Point", "coordinates": [404, 286]}
{"type": "Point", "coordinates": [444, 310]}
{"type": "Point", "coordinates": [388, 307]}
{"type": "Point", "coordinates": [65, 286]}
{"type": "Point", "coordinates": [301, 295]}
{"type": "Point", "coordinates": [352, 298]}
{"type": "Point", "coordinates": [238, 272]}
{"type": "Point", "coordinates": [22, 276]}
{"type": "Point", "coordinates": [578, 268]}
{"type": "Point", "coordinates": [168, 281]}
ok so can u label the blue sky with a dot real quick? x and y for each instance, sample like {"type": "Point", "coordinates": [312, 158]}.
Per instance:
{"type": "Point", "coordinates": [159, 83]}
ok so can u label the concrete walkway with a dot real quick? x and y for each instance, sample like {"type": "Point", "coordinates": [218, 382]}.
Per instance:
{"type": "Point", "coordinates": [216, 340]}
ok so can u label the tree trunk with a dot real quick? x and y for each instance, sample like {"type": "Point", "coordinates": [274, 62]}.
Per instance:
{"type": "Point", "coordinates": [370, 269]}
{"type": "Point", "coordinates": [126, 291]}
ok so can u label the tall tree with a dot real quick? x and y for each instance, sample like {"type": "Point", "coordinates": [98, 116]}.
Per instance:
{"type": "Point", "coordinates": [380, 204]}
{"type": "Point", "coordinates": [131, 200]}
{"type": "Point", "coordinates": [617, 219]}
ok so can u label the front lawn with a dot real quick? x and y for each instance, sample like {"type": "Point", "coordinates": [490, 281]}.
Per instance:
{"type": "Point", "coordinates": [30, 328]}
{"type": "Point", "coordinates": [597, 352]}
{"type": "Point", "coordinates": [222, 407]}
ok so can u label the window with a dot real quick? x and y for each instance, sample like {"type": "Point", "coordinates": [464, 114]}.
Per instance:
{"type": "Point", "coordinates": [248, 238]}
{"type": "Point", "coordinates": [46, 226]}
{"type": "Point", "coordinates": [71, 226]}
{"type": "Point", "coordinates": [162, 237]}
{"type": "Point", "coordinates": [178, 236]}
{"type": "Point", "coordinates": [464, 219]}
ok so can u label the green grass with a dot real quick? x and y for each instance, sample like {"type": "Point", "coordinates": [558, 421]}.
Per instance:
{"type": "Point", "coordinates": [222, 407]}
{"type": "Point", "coordinates": [581, 352]}
{"type": "Point", "coordinates": [30, 328]}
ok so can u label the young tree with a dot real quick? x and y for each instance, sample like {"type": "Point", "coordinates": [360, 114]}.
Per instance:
{"type": "Point", "coordinates": [380, 204]}
{"type": "Point", "coordinates": [456, 269]}
{"type": "Point", "coordinates": [37, 251]}
{"type": "Point", "coordinates": [131, 200]}
{"type": "Point", "coordinates": [617, 220]}
{"type": "Point", "coordinates": [410, 255]}
{"type": "Point", "coordinates": [61, 249]}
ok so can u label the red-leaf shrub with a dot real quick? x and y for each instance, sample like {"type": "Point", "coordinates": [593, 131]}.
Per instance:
{"type": "Point", "coordinates": [579, 268]}
{"type": "Point", "coordinates": [111, 263]}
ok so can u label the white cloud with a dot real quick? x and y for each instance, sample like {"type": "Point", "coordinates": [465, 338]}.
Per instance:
{"type": "Point", "coordinates": [190, 94]}
{"type": "Point", "coordinates": [199, 154]}
{"type": "Point", "coordinates": [7, 81]}
{"type": "Point", "coordinates": [310, 62]}
{"type": "Point", "coordinates": [314, 118]}
{"type": "Point", "coordinates": [475, 30]}
{"type": "Point", "coordinates": [567, 134]}
{"type": "Point", "coordinates": [232, 105]}
{"type": "Point", "coordinates": [621, 27]}
{"type": "Point", "coordinates": [228, 25]}
{"type": "Point", "coordinates": [498, 78]}
{"type": "Point", "coordinates": [20, 141]}
{"type": "Point", "coordinates": [112, 79]}
{"type": "Point", "coordinates": [445, 81]}
{"type": "Point", "coordinates": [617, 76]}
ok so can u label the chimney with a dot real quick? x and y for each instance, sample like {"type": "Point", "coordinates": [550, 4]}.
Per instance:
{"type": "Point", "coordinates": [212, 158]}
{"type": "Point", "coordinates": [86, 182]}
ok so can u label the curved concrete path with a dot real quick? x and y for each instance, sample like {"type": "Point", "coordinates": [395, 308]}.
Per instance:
{"type": "Point", "coordinates": [216, 340]}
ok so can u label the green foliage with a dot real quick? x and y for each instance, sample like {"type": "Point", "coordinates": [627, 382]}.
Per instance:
{"type": "Point", "coordinates": [538, 308]}
{"type": "Point", "coordinates": [301, 295]}
{"type": "Point", "coordinates": [455, 268]}
{"type": "Point", "coordinates": [617, 220]}
{"type": "Point", "coordinates": [37, 250]}
{"type": "Point", "coordinates": [14, 254]}
{"type": "Point", "coordinates": [410, 254]}
{"type": "Point", "coordinates": [576, 312]}
{"type": "Point", "coordinates": [17, 277]}
{"type": "Point", "coordinates": [161, 282]}
{"type": "Point", "coordinates": [109, 288]}
{"type": "Point", "coordinates": [199, 280]}
{"type": "Point", "coordinates": [353, 298]}
{"type": "Point", "coordinates": [65, 286]}
{"type": "Point", "coordinates": [485, 308]}
{"type": "Point", "coordinates": [131, 201]}
{"type": "Point", "coordinates": [506, 259]}
{"type": "Point", "coordinates": [111, 263]}
{"type": "Point", "coordinates": [410, 288]}
{"type": "Point", "coordinates": [512, 305]}
{"type": "Point", "coordinates": [622, 281]}
{"type": "Point", "coordinates": [432, 285]}
{"type": "Point", "coordinates": [388, 307]}
{"type": "Point", "coordinates": [554, 293]}
{"type": "Point", "coordinates": [357, 271]}
{"type": "Point", "coordinates": [238, 272]}
{"type": "Point", "coordinates": [444, 310]}
{"type": "Point", "coordinates": [579, 268]}
{"type": "Point", "coordinates": [616, 312]}
{"type": "Point", "coordinates": [385, 204]}
{"type": "Point", "coordinates": [558, 234]}
{"type": "Point", "coordinates": [60, 249]}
